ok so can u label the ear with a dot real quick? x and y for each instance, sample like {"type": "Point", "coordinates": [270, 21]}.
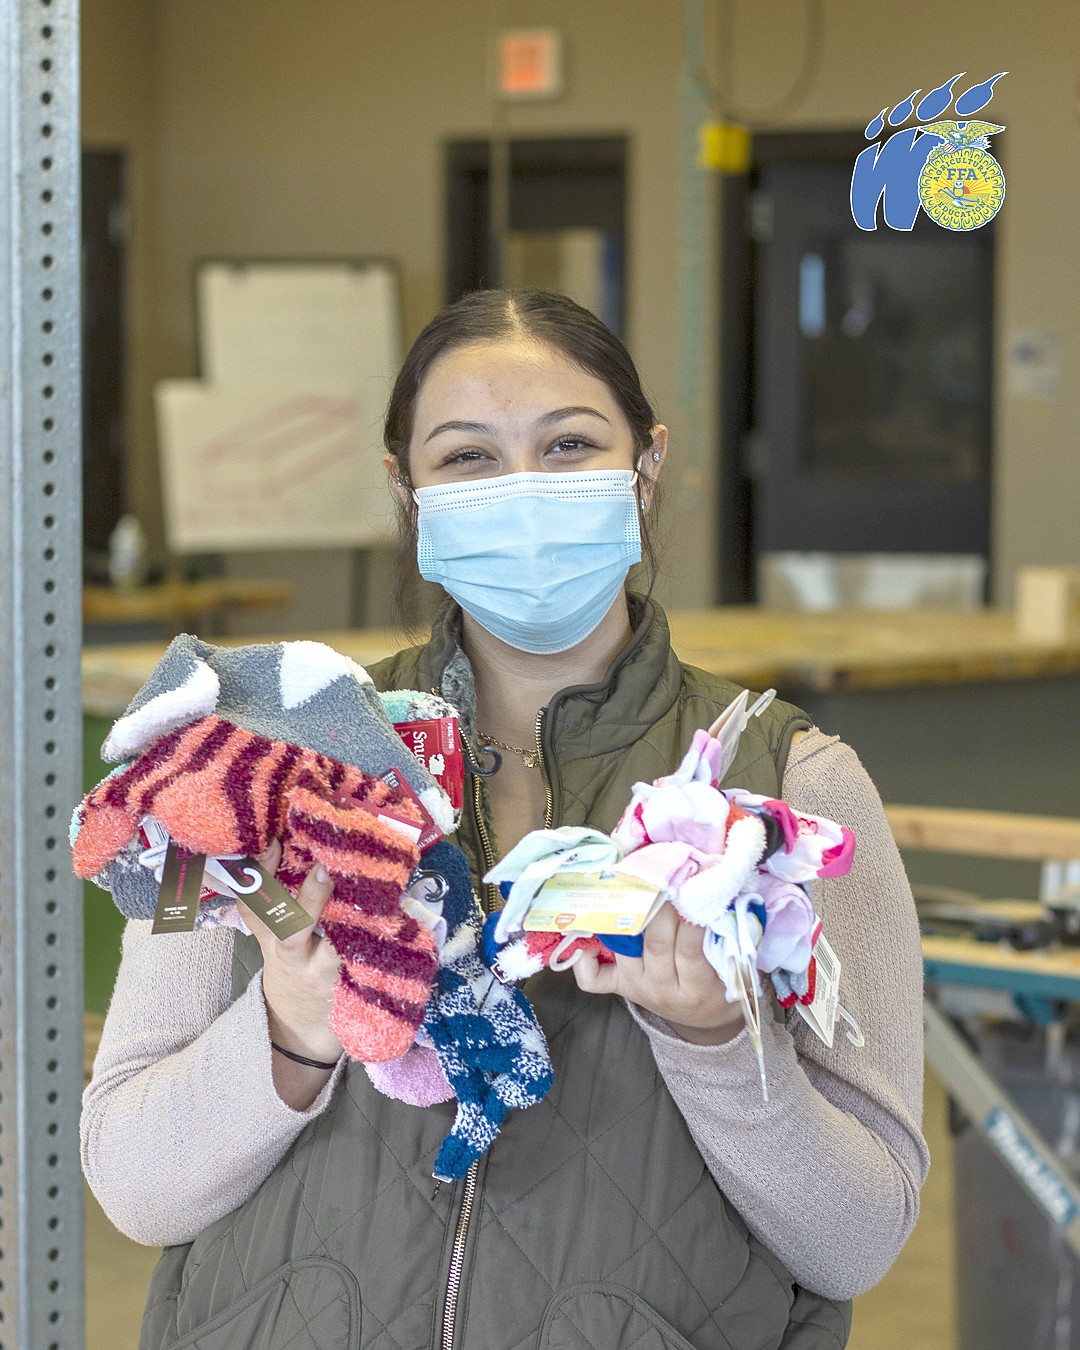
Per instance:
{"type": "Point", "coordinates": [397, 483]}
{"type": "Point", "coordinates": [651, 462]}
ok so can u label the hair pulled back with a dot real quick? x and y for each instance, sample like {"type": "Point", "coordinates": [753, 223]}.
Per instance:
{"type": "Point", "coordinates": [554, 320]}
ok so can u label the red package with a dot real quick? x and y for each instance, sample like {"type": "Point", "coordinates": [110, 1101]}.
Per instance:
{"type": "Point", "coordinates": [428, 834]}
{"type": "Point", "coordinates": [436, 744]}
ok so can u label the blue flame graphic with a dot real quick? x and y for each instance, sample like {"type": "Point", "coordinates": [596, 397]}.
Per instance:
{"type": "Point", "coordinates": [875, 127]}
{"type": "Point", "coordinates": [936, 101]}
{"type": "Point", "coordinates": [978, 96]}
{"type": "Point", "coordinates": [902, 111]}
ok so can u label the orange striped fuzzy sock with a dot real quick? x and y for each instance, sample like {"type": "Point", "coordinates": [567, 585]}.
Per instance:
{"type": "Point", "coordinates": [388, 960]}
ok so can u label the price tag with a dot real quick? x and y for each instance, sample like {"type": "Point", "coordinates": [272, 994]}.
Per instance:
{"type": "Point", "coordinates": [820, 1012]}
{"type": "Point", "coordinates": [593, 902]}
{"type": "Point", "coordinates": [181, 885]}
{"type": "Point", "coordinates": [266, 897]}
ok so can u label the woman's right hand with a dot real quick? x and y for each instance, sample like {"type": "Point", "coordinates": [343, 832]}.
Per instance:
{"type": "Point", "coordinates": [299, 974]}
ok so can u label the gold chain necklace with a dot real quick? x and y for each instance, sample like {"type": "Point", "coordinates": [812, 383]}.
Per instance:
{"type": "Point", "coordinates": [531, 758]}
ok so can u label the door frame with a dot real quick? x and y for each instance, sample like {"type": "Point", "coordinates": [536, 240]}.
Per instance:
{"type": "Point", "coordinates": [466, 214]}
{"type": "Point", "coordinates": [105, 183]}
{"type": "Point", "coordinates": [737, 278]}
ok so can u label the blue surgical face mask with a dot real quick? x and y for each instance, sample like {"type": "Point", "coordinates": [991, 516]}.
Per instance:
{"type": "Point", "coordinates": [535, 558]}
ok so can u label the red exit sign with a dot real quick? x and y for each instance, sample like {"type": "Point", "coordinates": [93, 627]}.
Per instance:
{"type": "Point", "coordinates": [531, 63]}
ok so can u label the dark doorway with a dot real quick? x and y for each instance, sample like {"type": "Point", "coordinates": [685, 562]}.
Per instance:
{"type": "Point", "coordinates": [567, 216]}
{"type": "Point", "coordinates": [104, 230]}
{"type": "Point", "coordinates": [856, 407]}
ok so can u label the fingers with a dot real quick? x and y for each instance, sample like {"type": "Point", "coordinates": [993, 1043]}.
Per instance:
{"type": "Point", "coordinates": [658, 952]}
{"type": "Point", "coordinates": [270, 861]}
{"type": "Point", "coordinates": [312, 896]}
{"type": "Point", "coordinates": [594, 978]}
{"type": "Point", "coordinates": [691, 964]}
{"type": "Point", "coordinates": [315, 891]}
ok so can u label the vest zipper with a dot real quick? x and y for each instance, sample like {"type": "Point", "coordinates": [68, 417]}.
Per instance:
{"type": "Point", "coordinates": [549, 810]}
{"type": "Point", "coordinates": [485, 839]}
{"type": "Point", "coordinates": [461, 1232]}
{"type": "Point", "coordinates": [468, 1198]}
{"type": "Point", "coordinates": [457, 1259]}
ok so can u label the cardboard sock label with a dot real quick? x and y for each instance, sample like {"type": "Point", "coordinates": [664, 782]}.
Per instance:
{"type": "Point", "coordinates": [178, 896]}
{"type": "Point", "coordinates": [266, 897]}
{"type": "Point", "coordinates": [430, 832]}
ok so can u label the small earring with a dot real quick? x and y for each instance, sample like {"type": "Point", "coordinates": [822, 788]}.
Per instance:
{"type": "Point", "coordinates": [656, 456]}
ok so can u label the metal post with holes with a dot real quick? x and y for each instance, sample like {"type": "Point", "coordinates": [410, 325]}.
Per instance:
{"type": "Point", "coordinates": [41, 1220]}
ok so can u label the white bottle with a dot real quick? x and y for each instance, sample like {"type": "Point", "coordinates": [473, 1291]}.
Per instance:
{"type": "Point", "coordinates": [127, 554]}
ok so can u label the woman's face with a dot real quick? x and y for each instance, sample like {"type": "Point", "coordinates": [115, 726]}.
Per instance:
{"type": "Point", "coordinates": [510, 406]}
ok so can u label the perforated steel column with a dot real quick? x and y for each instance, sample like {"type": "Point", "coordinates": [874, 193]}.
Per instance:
{"type": "Point", "coordinates": [41, 1236]}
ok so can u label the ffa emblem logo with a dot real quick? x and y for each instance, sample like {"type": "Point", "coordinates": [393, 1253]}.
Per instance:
{"type": "Point", "coordinates": [961, 186]}
{"type": "Point", "coordinates": [942, 167]}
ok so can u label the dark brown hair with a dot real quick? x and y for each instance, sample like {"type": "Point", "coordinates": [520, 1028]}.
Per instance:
{"type": "Point", "coordinates": [553, 320]}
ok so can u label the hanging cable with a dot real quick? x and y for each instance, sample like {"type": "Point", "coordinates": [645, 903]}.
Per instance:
{"type": "Point", "coordinates": [499, 169]}
{"type": "Point", "coordinates": [717, 94]}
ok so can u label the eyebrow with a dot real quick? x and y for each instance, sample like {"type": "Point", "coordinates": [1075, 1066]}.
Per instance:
{"type": "Point", "coordinates": [486, 429]}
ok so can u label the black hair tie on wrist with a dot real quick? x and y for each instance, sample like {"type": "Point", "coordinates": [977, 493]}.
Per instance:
{"type": "Point", "coordinates": [303, 1059]}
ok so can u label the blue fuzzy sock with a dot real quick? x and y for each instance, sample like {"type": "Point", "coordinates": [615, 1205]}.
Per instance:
{"type": "Point", "coordinates": [485, 1033]}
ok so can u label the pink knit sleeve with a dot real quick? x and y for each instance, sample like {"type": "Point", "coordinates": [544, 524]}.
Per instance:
{"type": "Point", "coordinates": [181, 1121]}
{"type": "Point", "coordinates": [827, 1172]}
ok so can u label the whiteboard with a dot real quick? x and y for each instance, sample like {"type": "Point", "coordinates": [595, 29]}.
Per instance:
{"type": "Point", "coordinates": [279, 444]}
{"type": "Point", "coordinates": [271, 467]}
{"type": "Point", "coordinates": [323, 322]}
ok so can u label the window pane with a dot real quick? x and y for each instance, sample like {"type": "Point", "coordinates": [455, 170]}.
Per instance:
{"type": "Point", "coordinates": [895, 335]}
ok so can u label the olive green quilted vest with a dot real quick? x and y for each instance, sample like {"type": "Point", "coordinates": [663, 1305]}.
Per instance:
{"type": "Point", "coordinates": [592, 1223]}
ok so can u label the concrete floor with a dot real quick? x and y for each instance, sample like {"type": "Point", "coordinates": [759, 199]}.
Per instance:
{"type": "Point", "coordinates": [912, 1309]}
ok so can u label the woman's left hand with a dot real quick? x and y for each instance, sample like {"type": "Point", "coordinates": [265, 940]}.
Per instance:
{"type": "Point", "coordinates": [671, 978]}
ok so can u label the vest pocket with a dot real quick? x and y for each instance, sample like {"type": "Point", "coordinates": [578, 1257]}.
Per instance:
{"type": "Point", "coordinates": [599, 1316]}
{"type": "Point", "coordinates": [308, 1304]}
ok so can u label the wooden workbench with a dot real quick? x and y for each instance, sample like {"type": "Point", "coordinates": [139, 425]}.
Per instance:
{"type": "Point", "coordinates": [175, 602]}
{"type": "Point", "coordinates": [881, 649]}
{"type": "Point", "coordinates": [1052, 974]}
{"type": "Point", "coordinates": [823, 653]}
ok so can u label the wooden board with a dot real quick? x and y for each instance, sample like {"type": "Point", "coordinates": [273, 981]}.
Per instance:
{"type": "Point", "coordinates": [169, 601]}
{"type": "Point", "coordinates": [1057, 961]}
{"type": "Point", "coordinates": [762, 648]}
{"type": "Point", "coordinates": [864, 649]}
{"type": "Point", "coordinates": [1052, 975]}
{"type": "Point", "coordinates": [986, 834]}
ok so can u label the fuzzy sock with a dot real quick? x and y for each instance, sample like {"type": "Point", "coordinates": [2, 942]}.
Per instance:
{"type": "Point", "coordinates": [489, 1043]}
{"type": "Point", "coordinates": [413, 705]}
{"type": "Point", "coordinates": [300, 694]}
{"type": "Point", "coordinates": [216, 789]}
{"type": "Point", "coordinates": [388, 959]}
{"type": "Point", "coordinates": [219, 789]}
{"type": "Point", "coordinates": [530, 953]}
{"type": "Point", "coordinates": [416, 1078]}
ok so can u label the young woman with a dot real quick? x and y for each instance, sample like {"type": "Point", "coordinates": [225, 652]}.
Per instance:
{"type": "Point", "coordinates": [654, 1199]}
